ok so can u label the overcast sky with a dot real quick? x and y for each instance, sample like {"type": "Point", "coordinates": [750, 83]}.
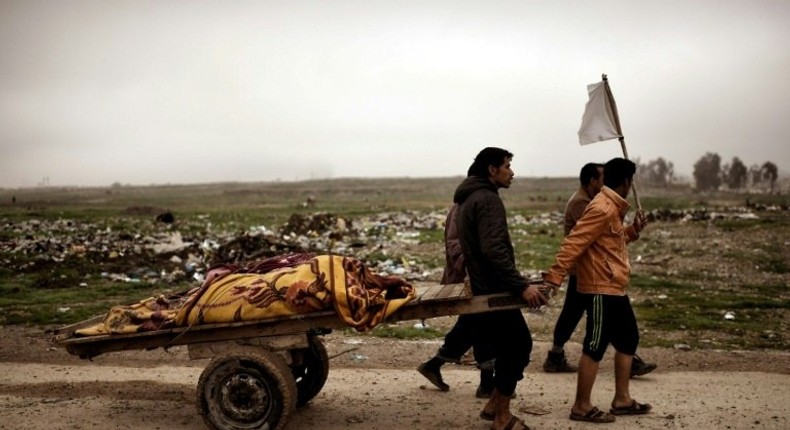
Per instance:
{"type": "Point", "coordinates": [153, 92]}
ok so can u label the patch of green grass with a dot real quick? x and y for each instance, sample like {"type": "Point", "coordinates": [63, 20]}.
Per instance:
{"type": "Point", "coordinates": [773, 259]}
{"type": "Point", "coordinates": [22, 303]}
{"type": "Point", "coordinates": [689, 307]}
{"type": "Point", "coordinates": [536, 245]}
{"type": "Point", "coordinates": [432, 236]}
{"type": "Point", "coordinates": [433, 260]}
{"type": "Point", "coordinates": [775, 264]}
{"type": "Point", "coordinates": [736, 224]}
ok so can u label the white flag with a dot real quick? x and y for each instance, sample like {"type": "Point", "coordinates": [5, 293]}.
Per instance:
{"type": "Point", "coordinates": [599, 120]}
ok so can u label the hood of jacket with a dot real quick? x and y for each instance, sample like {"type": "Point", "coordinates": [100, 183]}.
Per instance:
{"type": "Point", "coordinates": [469, 186]}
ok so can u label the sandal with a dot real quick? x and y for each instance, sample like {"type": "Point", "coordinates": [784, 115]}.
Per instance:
{"type": "Point", "coordinates": [594, 415]}
{"type": "Point", "coordinates": [511, 425]}
{"type": "Point", "coordinates": [635, 408]}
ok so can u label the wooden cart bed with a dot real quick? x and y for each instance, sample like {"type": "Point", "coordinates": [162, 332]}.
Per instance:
{"type": "Point", "coordinates": [433, 300]}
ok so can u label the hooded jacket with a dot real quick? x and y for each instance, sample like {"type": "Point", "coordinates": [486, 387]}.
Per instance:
{"type": "Point", "coordinates": [485, 240]}
{"type": "Point", "coordinates": [454, 268]}
{"type": "Point", "coordinates": [597, 244]}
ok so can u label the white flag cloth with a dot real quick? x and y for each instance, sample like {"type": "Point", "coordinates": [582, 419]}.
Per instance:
{"type": "Point", "coordinates": [598, 122]}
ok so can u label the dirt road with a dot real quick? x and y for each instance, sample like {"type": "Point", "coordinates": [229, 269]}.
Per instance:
{"type": "Point", "coordinates": [46, 396]}
{"type": "Point", "coordinates": [372, 385]}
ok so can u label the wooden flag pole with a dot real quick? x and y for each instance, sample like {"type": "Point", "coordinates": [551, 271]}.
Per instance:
{"type": "Point", "coordinates": [616, 117]}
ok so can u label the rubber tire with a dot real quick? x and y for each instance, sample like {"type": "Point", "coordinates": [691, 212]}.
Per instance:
{"type": "Point", "coordinates": [311, 375]}
{"type": "Point", "coordinates": [246, 389]}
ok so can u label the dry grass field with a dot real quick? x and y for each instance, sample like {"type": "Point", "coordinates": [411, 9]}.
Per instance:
{"type": "Point", "coordinates": [712, 271]}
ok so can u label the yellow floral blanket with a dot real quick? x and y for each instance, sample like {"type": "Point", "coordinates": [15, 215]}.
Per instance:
{"type": "Point", "coordinates": [361, 298]}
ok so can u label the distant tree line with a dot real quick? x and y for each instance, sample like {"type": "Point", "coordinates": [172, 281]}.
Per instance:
{"type": "Point", "coordinates": [658, 172]}
{"type": "Point", "coordinates": [710, 174]}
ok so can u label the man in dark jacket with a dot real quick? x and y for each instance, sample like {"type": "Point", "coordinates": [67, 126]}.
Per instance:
{"type": "Point", "coordinates": [491, 266]}
{"type": "Point", "coordinates": [459, 339]}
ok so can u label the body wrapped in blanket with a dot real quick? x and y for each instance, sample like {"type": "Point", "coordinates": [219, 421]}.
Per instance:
{"type": "Point", "coordinates": [275, 287]}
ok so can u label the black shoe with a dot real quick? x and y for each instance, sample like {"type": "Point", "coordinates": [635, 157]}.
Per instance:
{"type": "Point", "coordinates": [557, 363]}
{"type": "Point", "coordinates": [639, 367]}
{"type": "Point", "coordinates": [434, 375]}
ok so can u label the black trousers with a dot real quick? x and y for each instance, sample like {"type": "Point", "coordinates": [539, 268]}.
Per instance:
{"type": "Point", "coordinates": [462, 337]}
{"type": "Point", "coordinates": [610, 320]}
{"type": "Point", "coordinates": [571, 313]}
{"type": "Point", "coordinates": [511, 343]}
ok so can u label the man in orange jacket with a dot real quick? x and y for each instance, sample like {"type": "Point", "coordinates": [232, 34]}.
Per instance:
{"type": "Point", "coordinates": [591, 182]}
{"type": "Point", "coordinates": [596, 247]}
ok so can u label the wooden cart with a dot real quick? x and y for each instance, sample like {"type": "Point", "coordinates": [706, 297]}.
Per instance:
{"type": "Point", "coordinates": [260, 371]}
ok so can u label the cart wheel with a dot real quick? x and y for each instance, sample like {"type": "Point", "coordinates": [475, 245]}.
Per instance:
{"type": "Point", "coordinates": [246, 389]}
{"type": "Point", "coordinates": [311, 375]}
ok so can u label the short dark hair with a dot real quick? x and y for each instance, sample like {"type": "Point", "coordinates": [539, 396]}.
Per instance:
{"type": "Point", "coordinates": [488, 157]}
{"type": "Point", "coordinates": [617, 170]}
{"type": "Point", "coordinates": [589, 172]}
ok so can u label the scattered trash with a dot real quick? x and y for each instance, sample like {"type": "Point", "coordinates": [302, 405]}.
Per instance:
{"type": "Point", "coordinates": [729, 316]}
{"type": "Point", "coordinates": [209, 245]}
{"type": "Point", "coordinates": [534, 410]}
{"type": "Point", "coordinates": [358, 357]}
{"type": "Point", "coordinates": [165, 251]}
{"type": "Point", "coordinates": [682, 347]}
{"type": "Point", "coordinates": [170, 243]}
{"type": "Point", "coordinates": [768, 334]}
